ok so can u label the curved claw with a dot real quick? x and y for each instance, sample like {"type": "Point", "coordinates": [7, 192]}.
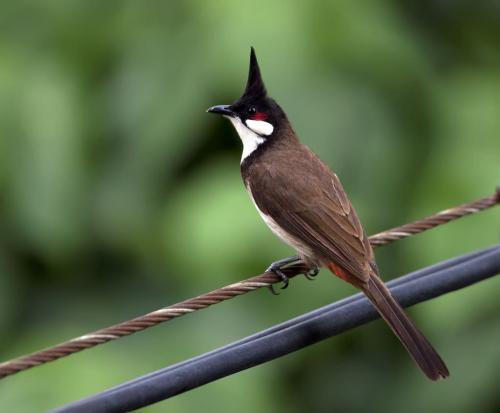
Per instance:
{"type": "Point", "coordinates": [312, 273]}
{"type": "Point", "coordinates": [284, 278]}
{"type": "Point", "coordinates": [273, 291]}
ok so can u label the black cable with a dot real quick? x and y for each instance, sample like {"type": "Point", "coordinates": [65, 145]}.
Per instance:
{"type": "Point", "coordinates": [290, 336]}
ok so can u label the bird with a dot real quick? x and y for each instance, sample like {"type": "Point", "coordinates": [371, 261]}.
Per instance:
{"type": "Point", "coordinates": [304, 203]}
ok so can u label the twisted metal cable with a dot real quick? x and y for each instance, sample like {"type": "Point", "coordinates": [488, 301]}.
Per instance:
{"type": "Point", "coordinates": [443, 217]}
{"type": "Point", "coordinates": [225, 293]}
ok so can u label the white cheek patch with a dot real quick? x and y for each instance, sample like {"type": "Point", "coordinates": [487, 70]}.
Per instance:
{"type": "Point", "coordinates": [261, 127]}
{"type": "Point", "coordinates": [249, 138]}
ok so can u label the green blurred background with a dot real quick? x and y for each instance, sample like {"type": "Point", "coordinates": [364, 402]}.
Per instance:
{"type": "Point", "coordinates": [119, 194]}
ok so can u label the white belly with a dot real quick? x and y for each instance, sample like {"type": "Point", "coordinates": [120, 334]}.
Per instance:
{"type": "Point", "coordinates": [303, 250]}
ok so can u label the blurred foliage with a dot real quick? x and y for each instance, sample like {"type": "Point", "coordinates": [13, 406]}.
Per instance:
{"type": "Point", "coordinates": [119, 195]}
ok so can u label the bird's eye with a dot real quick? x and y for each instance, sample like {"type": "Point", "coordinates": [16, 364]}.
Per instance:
{"type": "Point", "coordinates": [252, 110]}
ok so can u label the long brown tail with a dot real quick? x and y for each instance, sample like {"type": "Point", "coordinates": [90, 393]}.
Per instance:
{"type": "Point", "coordinates": [414, 341]}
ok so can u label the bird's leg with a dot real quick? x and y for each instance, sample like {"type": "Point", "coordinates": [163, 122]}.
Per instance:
{"type": "Point", "coordinates": [284, 262]}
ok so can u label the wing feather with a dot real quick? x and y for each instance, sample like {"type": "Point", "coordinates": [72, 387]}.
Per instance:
{"type": "Point", "coordinates": [313, 207]}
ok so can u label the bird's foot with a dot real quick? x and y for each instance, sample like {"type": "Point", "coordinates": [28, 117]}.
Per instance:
{"type": "Point", "coordinates": [277, 268]}
{"type": "Point", "coordinates": [284, 279]}
{"type": "Point", "coordinates": [280, 266]}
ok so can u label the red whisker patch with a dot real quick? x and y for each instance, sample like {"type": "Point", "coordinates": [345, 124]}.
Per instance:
{"type": "Point", "coordinates": [259, 116]}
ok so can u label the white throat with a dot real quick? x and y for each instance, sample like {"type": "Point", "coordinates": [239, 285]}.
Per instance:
{"type": "Point", "coordinates": [251, 140]}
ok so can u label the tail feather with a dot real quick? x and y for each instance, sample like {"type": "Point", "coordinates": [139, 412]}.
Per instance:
{"type": "Point", "coordinates": [416, 344]}
{"type": "Point", "coordinates": [414, 341]}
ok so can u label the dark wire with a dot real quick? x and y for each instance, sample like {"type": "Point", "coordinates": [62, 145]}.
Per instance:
{"type": "Point", "coordinates": [290, 336]}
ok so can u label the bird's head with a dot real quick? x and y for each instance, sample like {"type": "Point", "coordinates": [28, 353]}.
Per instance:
{"type": "Point", "coordinates": [256, 117]}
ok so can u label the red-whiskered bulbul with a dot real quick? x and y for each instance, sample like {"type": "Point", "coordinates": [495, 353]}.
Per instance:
{"type": "Point", "coordinates": [304, 204]}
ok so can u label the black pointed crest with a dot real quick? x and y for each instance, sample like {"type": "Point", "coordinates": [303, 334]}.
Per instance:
{"type": "Point", "coordinates": [255, 85]}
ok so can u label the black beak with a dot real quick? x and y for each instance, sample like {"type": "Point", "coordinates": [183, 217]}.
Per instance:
{"type": "Point", "coordinates": [222, 110]}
